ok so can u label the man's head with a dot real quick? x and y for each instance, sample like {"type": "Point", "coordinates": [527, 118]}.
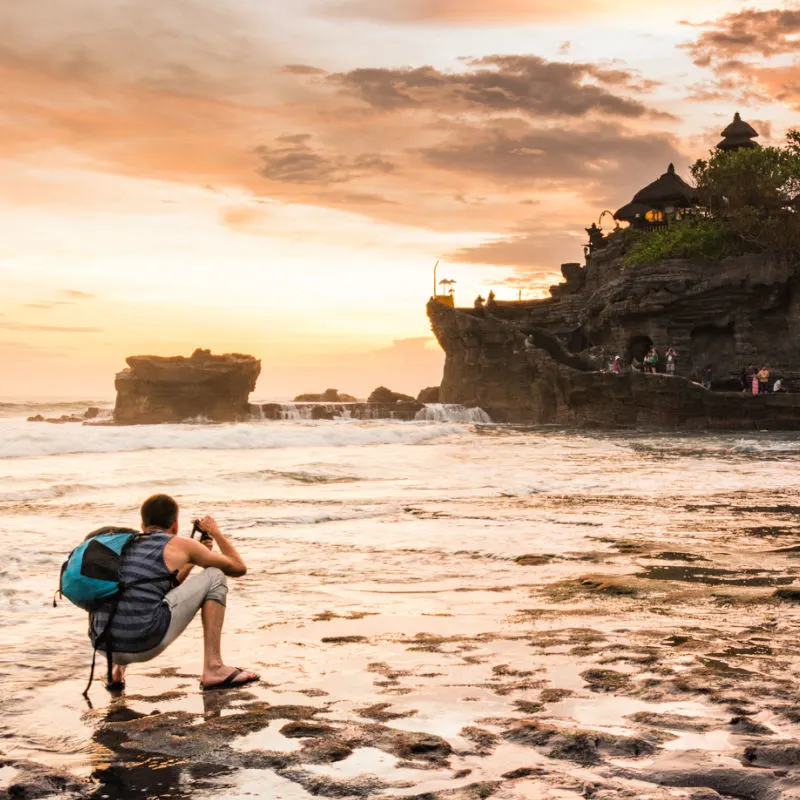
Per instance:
{"type": "Point", "coordinates": [160, 511]}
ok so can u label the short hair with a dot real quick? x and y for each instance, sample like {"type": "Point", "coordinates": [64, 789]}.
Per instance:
{"type": "Point", "coordinates": [159, 511]}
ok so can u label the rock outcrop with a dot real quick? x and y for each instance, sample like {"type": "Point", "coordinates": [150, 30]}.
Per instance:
{"type": "Point", "coordinates": [91, 413]}
{"type": "Point", "coordinates": [429, 395]}
{"type": "Point", "coordinates": [386, 396]}
{"type": "Point", "coordinates": [328, 396]}
{"type": "Point", "coordinates": [539, 361]}
{"type": "Point", "coordinates": [162, 390]}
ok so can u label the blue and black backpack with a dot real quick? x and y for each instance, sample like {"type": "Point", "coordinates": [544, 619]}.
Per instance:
{"type": "Point", "coordinates": [90, 578]}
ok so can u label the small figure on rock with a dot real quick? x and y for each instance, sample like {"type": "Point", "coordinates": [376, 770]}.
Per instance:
{"type": "Point", "coordinates": [707, 376]}
{"type": "Point", "coordinates": [491, 301]}
{"type": "Point", "coordinates": [616, 367]}
{"type": "Point", "coordinates": [651, 361]}
{"type": "Point", "coordinates": [763, 380]}
{"type": "Point", "coordinates": [778, 386]}
{"type": "Point", "coordinates": [672, 358]}
{"type": "Point", "coordinates": [479, 303]}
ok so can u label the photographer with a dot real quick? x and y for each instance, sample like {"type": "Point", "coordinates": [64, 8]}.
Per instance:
{"type": "Point", "coordinates": [150, 616]}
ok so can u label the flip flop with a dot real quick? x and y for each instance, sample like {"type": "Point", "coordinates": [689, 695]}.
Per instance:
{"type": "Point", "coordinates": [230, 682]}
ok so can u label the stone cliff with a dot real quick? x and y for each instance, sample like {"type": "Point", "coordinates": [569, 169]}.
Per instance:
{"type": "Point", "coordinates": [161, 390]}
{"type": "Point", "coordinates": [538, 361]}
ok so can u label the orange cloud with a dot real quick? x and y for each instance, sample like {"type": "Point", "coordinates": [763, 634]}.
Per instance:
{"type": "Point", "coordinates": [738, 48]}
{"type": "Point", "coordinates": [143, 91]}
{"type": "Point", "coordinates": [469, 12]}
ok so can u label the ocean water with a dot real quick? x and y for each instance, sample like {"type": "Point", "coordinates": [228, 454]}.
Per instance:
{"type": "Point", "coordinates": [381, 530]}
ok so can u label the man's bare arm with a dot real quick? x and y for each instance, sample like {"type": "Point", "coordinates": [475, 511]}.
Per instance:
{"type": "Point", "coordinates": [228, 559]}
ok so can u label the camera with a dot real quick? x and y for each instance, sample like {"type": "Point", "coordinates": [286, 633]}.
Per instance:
{"type": "Point", "coordinates": [204, 537]}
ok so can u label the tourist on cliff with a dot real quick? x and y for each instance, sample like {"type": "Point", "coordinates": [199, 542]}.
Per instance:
{"type": "Point", "coordinates": [672, 358]}
{"type": "Point", "coordinates": [754, 383]}
{"type": "Point", "coordinates": [651, 361]}
{"type": "Point", "coordinates": [478, 303]}
{"type": "Point", "coordinates": [616, 367]}
{"type": "Point", "coordinates": [763, 380]}
{"type": "Point", "coordinates": [151, 615]}
{"type": "Point", "coordinates": [491, 301]}
{"type": "Point", "coordinates": [778, 386]}
{"type": "Point", "coordinates": [707, 376]}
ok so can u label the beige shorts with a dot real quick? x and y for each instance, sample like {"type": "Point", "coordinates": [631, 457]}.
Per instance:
{"type": "Point", "coordinates": [184, 602]}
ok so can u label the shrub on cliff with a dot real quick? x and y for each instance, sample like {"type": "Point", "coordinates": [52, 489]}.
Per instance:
{"type": "Point", "coordinates": [705, 238]}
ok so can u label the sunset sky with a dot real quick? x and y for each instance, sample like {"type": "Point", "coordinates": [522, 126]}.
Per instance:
{"type": "Point", "coordinates": [278, 178]}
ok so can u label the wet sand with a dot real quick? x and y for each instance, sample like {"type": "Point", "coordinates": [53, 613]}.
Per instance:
{"type": "Point", "coordinates": [470, 650]}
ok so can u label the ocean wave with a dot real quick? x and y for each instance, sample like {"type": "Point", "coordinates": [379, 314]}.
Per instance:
{"type": "Point", "coordinates": [21, 440]}
{"type": "Point", "coordinates": [447, 412]}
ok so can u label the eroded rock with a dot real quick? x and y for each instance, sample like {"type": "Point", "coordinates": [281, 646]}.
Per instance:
{"type": "Point", "coordinates": [155, 390]}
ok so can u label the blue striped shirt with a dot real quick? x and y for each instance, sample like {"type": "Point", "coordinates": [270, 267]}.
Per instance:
{"type": "Point", "coordinates": [142, 616]}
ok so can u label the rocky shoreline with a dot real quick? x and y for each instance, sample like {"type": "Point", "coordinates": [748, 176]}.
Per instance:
{"type": "Point", "coordinates": [519, 374]}
{"type": "Point", "coordinates": [652, 667]}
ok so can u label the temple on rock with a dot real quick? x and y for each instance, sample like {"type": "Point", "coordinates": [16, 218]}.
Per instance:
{"type": "Point", "coordinates": [669, 196]}
{"type": "Point", "coordinates": [547, 361]}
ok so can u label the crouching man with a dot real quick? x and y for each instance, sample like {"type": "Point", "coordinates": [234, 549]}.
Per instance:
{"type": "Point", "coordinates": [151, 616]}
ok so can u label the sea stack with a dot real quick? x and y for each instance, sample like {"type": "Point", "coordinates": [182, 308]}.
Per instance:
{"type": "Point", "coordinates": [214, 388]}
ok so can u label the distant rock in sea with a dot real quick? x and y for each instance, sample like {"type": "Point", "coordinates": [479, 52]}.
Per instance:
{"type": "Point", "coordinates": [91, 413]}
{"type": "Point", "coordinates": [429, 395]}
{"type": "Point", "coordinates": [328, 396]}
{"type": "Point", "coordinates": [214, 388]}
{"type": "Point", "coordinates": [387, 396]}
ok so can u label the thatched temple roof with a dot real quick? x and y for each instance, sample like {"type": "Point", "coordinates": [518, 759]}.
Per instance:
{"type": "Point", "coordinates": [631, 212]}
{"type": "Point", "coordinates": [738, 134]}
{"type": "Point", "coordinates": [669, 190]}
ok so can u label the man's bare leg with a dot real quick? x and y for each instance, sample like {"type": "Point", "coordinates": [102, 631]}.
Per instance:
{"type": "Point", "coordinates": [118, 673]}
{"type": "Point", "coordinates": [214, 670]}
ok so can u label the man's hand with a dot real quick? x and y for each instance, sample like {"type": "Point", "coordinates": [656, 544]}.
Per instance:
{"type": "Point", "coordinates": [209, 525]}
{"type": "Point", "coordinates": [228, 558]}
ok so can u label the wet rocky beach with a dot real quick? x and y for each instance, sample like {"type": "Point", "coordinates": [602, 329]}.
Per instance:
{"type": "Point", "coordinates": [493, 613]}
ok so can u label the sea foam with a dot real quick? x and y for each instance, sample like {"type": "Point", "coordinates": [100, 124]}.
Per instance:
{"type": "Point", "coordinates": [19, 439]}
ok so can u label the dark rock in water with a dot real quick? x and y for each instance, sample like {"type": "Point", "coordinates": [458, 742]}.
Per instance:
{"type": "Point", "coordinates": [34, 780]}
{"type": "Point", "coordinates": [386, 396]}
{"type": "Point", "coordinates": [161, 390]}
{"type": "Point", "coordinates": [91, 413]}
{"type": "Point", "coordinates": [58, 420]}
{"type": "Point", "coordinates": [581, 746]}
{"type": "Point", "coordinates": [790, 594]}
{"type": "Point", "coordinates": [328, 396]}
{"type": "Point", "coordinates": [301, 730]}
{"type": "Point", "coordinates": [780, 754]}
{"type": "Point", "coordinates": [429, 395]}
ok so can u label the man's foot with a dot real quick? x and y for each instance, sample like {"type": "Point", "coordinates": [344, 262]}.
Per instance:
{"type": "Point", "coordinates": [227, 678]}
{"type": "Point", "coordinates": [117, 683]}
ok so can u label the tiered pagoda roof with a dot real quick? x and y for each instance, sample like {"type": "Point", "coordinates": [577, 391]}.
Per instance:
{"type": "Point", "coordinates": [738, 135]}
